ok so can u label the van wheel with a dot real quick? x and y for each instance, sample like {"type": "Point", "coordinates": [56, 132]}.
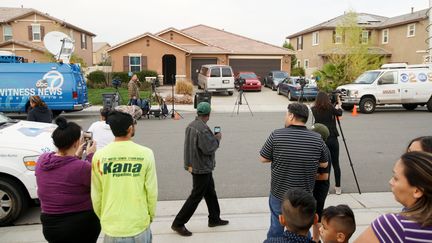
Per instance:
{"type": "Point", "coordinates": [429, 104]}
{"type": "Point", "coordinates": [230, 93]}
{"type": "Point", "coordinates": [56, 113]}
{"type": "Point", "coordinates": [367, 105]}
{"type": "Point", "coordinates": [409, 107]}
{"type": "Point", "coordinates": [347, 107]}
{"type": "Point", "coordinates": [12, 201]}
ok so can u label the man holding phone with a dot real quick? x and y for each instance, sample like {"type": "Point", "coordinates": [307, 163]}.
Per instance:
{"type": "Point", "coordinates": [199, 159]}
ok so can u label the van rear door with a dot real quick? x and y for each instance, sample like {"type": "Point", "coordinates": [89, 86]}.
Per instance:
{"type": "Point", "coordinates": [80, 85]}
{"type": "Point", "coordinates": [214, 81]}
{"type": "Point", "coordinates": [227, 78]}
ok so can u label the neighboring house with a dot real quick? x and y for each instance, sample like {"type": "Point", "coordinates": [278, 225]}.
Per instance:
{"type": "Point", "coordinates": [22, 31]}
{"type": "Point", "coordinates": [179, 54]}
{"type": "Point", "coordinates": [100, 54]}
{"type": "Point", "coordinates": [399, 39]}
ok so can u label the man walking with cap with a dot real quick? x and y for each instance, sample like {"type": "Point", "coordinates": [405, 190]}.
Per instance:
{"type": "Point", "coordinates": [199, 160]}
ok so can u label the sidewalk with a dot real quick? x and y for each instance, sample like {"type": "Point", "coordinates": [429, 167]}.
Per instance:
{"type": "Point", "coordinates": [249, 219]}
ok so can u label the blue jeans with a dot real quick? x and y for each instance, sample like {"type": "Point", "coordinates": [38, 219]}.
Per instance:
{"type": "Point", "coordinates": [143, 237]}
{"type": "Point", "coordinates": [276, 229]}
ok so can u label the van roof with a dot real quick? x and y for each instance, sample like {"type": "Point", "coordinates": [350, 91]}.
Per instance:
{"type": "Point", "coordinates": [215, 65]}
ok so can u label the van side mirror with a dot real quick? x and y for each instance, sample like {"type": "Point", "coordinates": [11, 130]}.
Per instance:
{"type": "Point", "coordinates": [380, 82]}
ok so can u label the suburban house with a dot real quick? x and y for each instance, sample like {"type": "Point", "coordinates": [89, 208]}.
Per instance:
{"type": "Point", "coordinates": [100, 54]}
{"type": "Point", "coordinates": [22, 31]}
{"type": "Point", "coordinates": [179, 54]}
{"type": "Point", "coordinates": [398, 39]}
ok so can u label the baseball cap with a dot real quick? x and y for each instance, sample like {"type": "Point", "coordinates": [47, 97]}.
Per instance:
{"type": "Point", "coordinates": [203, 108]}
{"type": "Point", "coordinates": [322, 130]}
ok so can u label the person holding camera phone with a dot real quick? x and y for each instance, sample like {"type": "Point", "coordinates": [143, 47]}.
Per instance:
{"type": "Point", "coordinates": [325, 113]}
{"type": "Point", "coordinates": [199, 159]}
{"type": "Point", "coordinates": [133, 90]}
{"type": "Point", "coordinates": [63, 187]}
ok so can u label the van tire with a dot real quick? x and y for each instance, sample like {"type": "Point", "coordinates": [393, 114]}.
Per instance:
{"type": "Point", "coordinates": [367, 105]}
{"type": "Point", "coordinates": [230, 93]}
{"type": "Point", "coordinates": [11, 195]}
{"type": "Point", "coordinates": [56, 113]}
{"type": "Point", "coordinates": [429, 104]}
{"type": "Point", "coordinates": [409, 107]}
{"type": "Point", "coordinates": [347, 107]}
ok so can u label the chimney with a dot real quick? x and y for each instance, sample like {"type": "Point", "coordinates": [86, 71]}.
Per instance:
{"type": "Point", "coordinates": [412, 9]}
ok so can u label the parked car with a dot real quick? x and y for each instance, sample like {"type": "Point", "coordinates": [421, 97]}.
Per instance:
{"type": "Point", "coordinates": [21, 143]}
{"type": "Point", "coordinates": [292, 89]}
{"type": "Point", "coordinates": [247, 81]}
{"type": "Point", "coordinates": [216, 78]}
{"type": "Point", "coordinates": [274, 78]}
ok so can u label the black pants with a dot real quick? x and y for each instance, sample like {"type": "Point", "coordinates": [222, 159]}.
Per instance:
{"type": "Point", "coordinates": [203, 186]}
{"type": "Point", "coordinates": [71, 227]}
{"type": "Point", "coordinates": [333, 145]}
{"type": "Point", "coordinates": [320, 192]}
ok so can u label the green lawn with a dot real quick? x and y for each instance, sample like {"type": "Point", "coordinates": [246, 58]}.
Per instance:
{"type": "Point", "coordinates": [95, 95]}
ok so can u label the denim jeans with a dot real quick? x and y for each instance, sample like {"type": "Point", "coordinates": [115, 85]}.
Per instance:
{"type": "Point", "coordinates": [276, 229]}
{"type": "Point", "coordinates": [143, 237]}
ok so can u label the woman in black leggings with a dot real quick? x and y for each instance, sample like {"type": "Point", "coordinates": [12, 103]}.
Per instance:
{"type": "Point", "coordinates": [324, 112]}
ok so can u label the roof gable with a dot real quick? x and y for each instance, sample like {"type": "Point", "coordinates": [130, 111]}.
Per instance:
{"type": "Point", "coordinates": [98, 45]}
{"type": "Point", "coordinates": [24, 44]}
{"type": "Point", "coordinates": [197, 41]}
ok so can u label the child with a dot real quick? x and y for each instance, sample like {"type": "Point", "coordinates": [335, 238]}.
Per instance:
{"type": "Point", "coordinates": [338, 224]}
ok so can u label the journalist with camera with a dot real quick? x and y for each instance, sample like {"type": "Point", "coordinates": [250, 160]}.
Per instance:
{"type": "Point", "coordinates": [325, 111]}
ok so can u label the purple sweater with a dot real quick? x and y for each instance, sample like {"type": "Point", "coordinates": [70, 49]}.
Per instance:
{"type": "Point", "coordinates": [63, 183]}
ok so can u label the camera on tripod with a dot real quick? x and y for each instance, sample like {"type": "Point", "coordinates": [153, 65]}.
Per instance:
{"type": "Point", "coordinates": [116, 82]}
{"type": "Point", "coordinates": [302, 82]}
{"type": "Point", "coordinates": [334, 95]}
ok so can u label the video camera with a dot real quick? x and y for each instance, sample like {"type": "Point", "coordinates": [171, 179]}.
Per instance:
{"type": "Point", "coordinates": [334, 96]}
{"type": "Point", "coordinates": [116, 82]}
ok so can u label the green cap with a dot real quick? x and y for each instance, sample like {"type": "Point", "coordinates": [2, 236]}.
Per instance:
{"type": "Point", "coordinates": [322, 130]}
{"type": "Point", "coordinates": [203, 108]}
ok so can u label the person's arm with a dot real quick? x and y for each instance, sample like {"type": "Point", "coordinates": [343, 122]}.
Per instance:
{"type": "Point", "coordinates": [131, 90]}
{"type": "Point", "coordinates": [151, 187]}
{"type": "Point", "coordinates": [367, 236]}
{"type": "Point", "coordinates": [266, 153]}
{"type": "Point", "coordinates": [96, 185]}
{"type": "Point", "coordinates": [325, 156]}
{"type": "Point", "coordinates": [31, 116]}
{"type": "Point", "coordinates": [207, 142]}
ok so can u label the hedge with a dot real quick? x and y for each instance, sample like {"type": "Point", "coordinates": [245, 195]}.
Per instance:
{"type": "Point", "coordinates": [94, 78]}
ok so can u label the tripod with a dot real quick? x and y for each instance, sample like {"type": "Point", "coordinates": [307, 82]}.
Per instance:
{"type": "Point", "coordinates": [300, 98]}
{"type": "Point", "coordinates": [349, 157]}
{"type": "Point", "coordinates": [239, 101]}
{"type": "Point", "coordinates": [173, 111]}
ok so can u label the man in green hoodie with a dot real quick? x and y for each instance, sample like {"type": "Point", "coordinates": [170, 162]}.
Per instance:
{"type": "Point", "coordinates": [124, 184]}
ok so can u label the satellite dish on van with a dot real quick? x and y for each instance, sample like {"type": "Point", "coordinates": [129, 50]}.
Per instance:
{"type": "Point", "coordinates": [60, 45]}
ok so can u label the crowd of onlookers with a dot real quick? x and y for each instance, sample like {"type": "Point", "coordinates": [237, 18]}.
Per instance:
{"type": "Point", "coordinates": [108, 183]}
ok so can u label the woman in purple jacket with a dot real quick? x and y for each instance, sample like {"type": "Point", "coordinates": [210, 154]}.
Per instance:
{"type": "Point", "coordinates": [63, 182]}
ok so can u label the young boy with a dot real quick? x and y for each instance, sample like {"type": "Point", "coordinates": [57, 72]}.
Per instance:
{"type": "Point", "coordinates": [338, 224]}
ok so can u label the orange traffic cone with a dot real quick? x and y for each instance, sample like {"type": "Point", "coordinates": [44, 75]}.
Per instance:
{"type": "Point", "coordinates": [176, 116]}
{"type": "Point", "coordinates": [354, 111]}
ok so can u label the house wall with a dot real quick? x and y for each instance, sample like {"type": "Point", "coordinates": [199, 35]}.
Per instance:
{"type": "Point", "coordinates": [97, 55]}
{"type": "Point", "coordinates": [179, 39]}
{"type": "Point", "coordinates": [154, 52]}
{"type": "Point", "coordinates": [28, 53]}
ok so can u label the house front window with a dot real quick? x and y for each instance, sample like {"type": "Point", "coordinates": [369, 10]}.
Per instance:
{"type": "Point", "coordinates": [298, 63]}
{"type": "Point", "coordinates": [365, 37]}
{"type": "Point", "coordinates": [337, 38]}
{"type": "Point", "coordinates": [83, 41]}
{"type": "Point", "coordinates": [411, 30]}
{"type": "Point", "coordinates": [385, 36]}
{"type": "Point", "coordinates": [36, 32]}
{"type": "Point", "coordinates": [135, 63]}
{"type": "Point", "coordinates": [315, 38]}
{"type": "Point", "coordinates": [7, 33]}
{"type": "Point", "coordinates": [300, 43]}
{"type": "Point", "coordinates": [306, 64]}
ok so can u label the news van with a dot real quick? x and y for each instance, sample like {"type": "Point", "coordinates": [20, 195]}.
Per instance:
{"type": "Point", "coordinates": [408, 85]}
{"type": "Point", "coordinates": [60, 85]}
{"type": "Point", "coordinates": [216, 78]}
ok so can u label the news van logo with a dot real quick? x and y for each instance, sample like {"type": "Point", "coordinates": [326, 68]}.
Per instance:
{"type": "Point", "coordinates": [52, 80]}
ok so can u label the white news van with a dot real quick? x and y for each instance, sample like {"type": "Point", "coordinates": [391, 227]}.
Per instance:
{"type": "Point", "coordinates": [216, 78]}
{"type": "Point", "coordinates": [408, 85]}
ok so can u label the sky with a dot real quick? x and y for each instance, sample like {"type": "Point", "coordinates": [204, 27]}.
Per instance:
{"type": "Point", "coordinates": [266, 20]}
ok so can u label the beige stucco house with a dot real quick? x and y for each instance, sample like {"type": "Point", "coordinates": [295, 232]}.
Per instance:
{"type": "Point", "coordinates": [398, 39]}
{"type": "Point", "coordinates": [179, 54]}
{"type": "Point", "coordinates": [22, 31]}
{"type": "Point", "coordinates": [100, 54]}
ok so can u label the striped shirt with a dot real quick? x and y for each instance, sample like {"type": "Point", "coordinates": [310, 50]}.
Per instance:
{"type": "Point", "coordinates": [396, 228]}
{"type": "Point", "coordinates": [295, 153]}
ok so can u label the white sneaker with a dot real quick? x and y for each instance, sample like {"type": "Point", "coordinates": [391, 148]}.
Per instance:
{"type": "Point", "coordinates": [338, 190]}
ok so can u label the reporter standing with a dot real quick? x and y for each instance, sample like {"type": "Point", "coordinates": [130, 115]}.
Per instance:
{"type": "Point", "coordinates": [325, 113]}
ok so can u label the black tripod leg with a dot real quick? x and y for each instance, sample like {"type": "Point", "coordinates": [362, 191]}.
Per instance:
{"type": "Point", "coordinates": [235, 104]}
{"type": "Point", "coordinates": [247, 103]}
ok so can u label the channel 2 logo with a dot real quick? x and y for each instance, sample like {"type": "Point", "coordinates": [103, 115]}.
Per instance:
{"type": "Point", "coordinates": [404, 77]}
{"type": "Point", "coordinates": [422, 77]}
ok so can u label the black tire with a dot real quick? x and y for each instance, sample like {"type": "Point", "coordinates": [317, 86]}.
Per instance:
{"type": "Point", "coordinates": [278, 91]}
{"type": "Point", "coordinates": [273, 87]}
{"type": "Point", "coordinates": [289, 96]}
{"type": "Point", "coordinates": [56, 113]}
{"type": "Point", "coordinates": [367, 105]}
{"type": "Point", "coordinates": [409, 107]}
{"type": "Point", "coordinates": [199, 87]}
{"type": "Point", "coordinates": [347, 107]}
{"type": "Point", "coordinates": [429, 104]}
{"type": "Point", "coordinates": [230, 93]}
{"type": "Point", "coordinates": [12, 201]}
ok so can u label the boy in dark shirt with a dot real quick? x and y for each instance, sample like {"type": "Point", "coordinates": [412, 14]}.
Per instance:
{"type": "Point", "coordinates": [338, 224]}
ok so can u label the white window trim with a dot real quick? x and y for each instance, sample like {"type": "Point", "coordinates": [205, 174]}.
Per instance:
{"type": "Point", "coordinates": [4, 32]}
{"type": "Point", "coordinates": [408, 30]}
{"type": "Point", "coordinates": [336, 39]}
{"type": "Point", "coordinates": [367, 37]}
{"type": "Point", "coordinates": [315, 38]}
{"type": "Point", "coordinates": [304, 64]}
{"type": "Point", "coordinates": [388, 36]}
{"type": "Point", "coordinates": [130, 65]}
{"type": "Point", "coordinates": [298, 63]}
{"type": "Point", "coordinates": [300, 43]}
{"type": "Point", "coordinates": [33, 33]}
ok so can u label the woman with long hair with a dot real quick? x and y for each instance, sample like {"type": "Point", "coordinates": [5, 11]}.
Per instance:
{"type": "Point", "coordinates": [39, 110]}
{"type": "Point", "coordinates": [63, 182]}
{"type": "Point", "coordinates": [324, 112]}
{"type": "Point", "coordinates": [411, 187]}
{"type": "Point", "coordinates": [423, 143]}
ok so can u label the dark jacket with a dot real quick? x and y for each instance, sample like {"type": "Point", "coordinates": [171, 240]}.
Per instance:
{"type": "Point", "coordinates": [200, 147]}
{"type": "Point", "coordinates": [40, 114]}
{"type": "Point", "coordinates": [328, 119]}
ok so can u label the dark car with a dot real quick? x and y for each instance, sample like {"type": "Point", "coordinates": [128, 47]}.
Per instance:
{"type": "Point", "coordinates": [247, 81]}
{"type": "Point", "coordinates": [292, 89]}
{"type": "Point", "coordinates": [274, 78]}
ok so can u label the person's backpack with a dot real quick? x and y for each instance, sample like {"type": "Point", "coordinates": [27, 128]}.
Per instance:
{"type": "Point", "coordinates": [145, 106]}
{"type": "Point", "coordinates": [164, 109]}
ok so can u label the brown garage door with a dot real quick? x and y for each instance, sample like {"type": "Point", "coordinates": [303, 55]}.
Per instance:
{"type": "Point", "coordinates": [196, 65]}
{"type": "Point", "coordinates": [259, 66]}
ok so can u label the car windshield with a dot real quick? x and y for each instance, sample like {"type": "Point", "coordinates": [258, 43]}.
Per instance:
{"type": "Point", "coordinates": [248, 75]}
{"type": "Point", "coordinates": [4, 119]}
{"type": "Point", "coordinates": [367, 77]}
{"type": "Point", "coordinates": [280, 75]}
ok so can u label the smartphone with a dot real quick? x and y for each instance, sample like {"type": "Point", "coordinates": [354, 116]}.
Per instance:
{"type": "Point", "coordinates": [217, 130]}
{"type": "Point", "coordinates": [88, 138]}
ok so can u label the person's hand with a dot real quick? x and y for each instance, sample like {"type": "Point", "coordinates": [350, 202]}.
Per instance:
{"type": "Point", "coordinates": [134, 97]}
{"type": "Point", "coordinates": [80, 149]}
{"type": "Point", "coordinates": [91, 147]}
{"type": "Point", "coordinates": [218, 136]}
{"type": "Point", "coordinates": [190, 169]}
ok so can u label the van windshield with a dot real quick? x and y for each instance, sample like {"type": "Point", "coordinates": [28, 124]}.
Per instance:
{"type": "Point", "coordinates": [280, 75]}
{"type": "Point", "coordinates": [367, 77]}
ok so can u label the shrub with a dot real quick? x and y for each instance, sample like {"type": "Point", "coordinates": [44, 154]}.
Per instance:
{"type": "Point", "coordinates": [124, 77]}
{"type": "Point", "coordinates": [184, 87]}
{"type": "Point", "coordinates": [184, 99]}
{"type": "Point", "coordinates": [298, 71]}
{"type": "Point", "coordinates": [97, 77]}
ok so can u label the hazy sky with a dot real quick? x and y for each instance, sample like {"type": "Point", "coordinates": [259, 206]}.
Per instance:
{"type": "Point", "coordinates": [266, 20]}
